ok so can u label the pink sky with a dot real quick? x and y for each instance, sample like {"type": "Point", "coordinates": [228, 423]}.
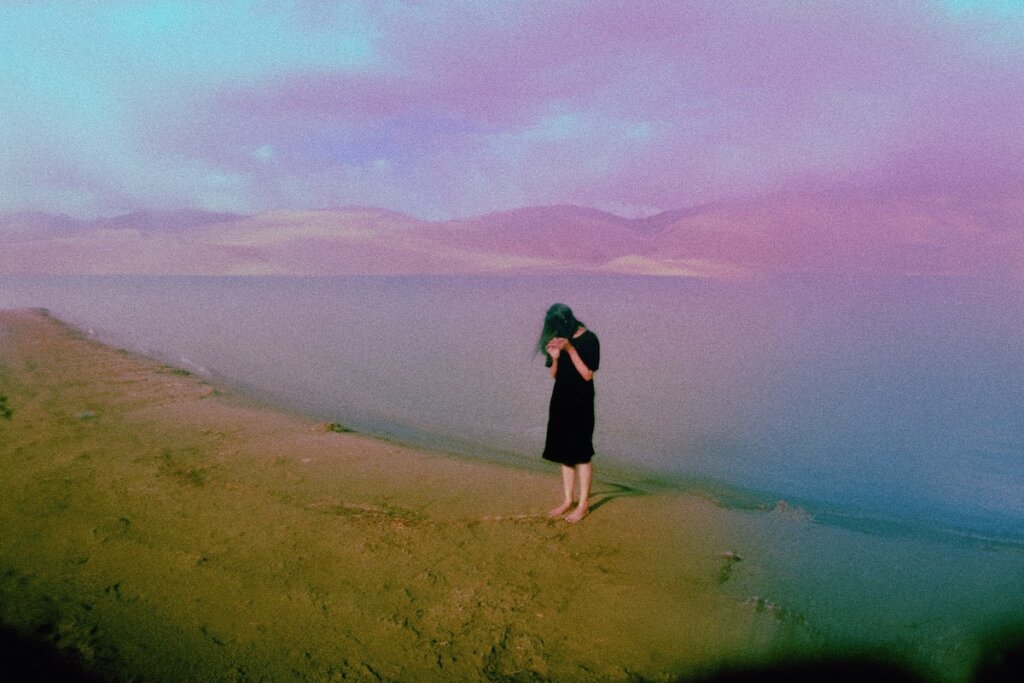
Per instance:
{"type": "Point", "coordinates": [441, 109]}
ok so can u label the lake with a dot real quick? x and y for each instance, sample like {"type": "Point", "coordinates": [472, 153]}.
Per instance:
{"type": "Point", "coordinates": [888, 402]}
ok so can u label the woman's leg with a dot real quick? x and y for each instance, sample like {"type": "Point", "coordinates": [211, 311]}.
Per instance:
{"type": "Point", "coordinates": [581, 510]}
{"type": "Point", "coordinates": [568, 481]}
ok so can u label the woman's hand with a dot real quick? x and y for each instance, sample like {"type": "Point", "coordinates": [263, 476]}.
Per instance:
{"type": "Point", "coordinates": [556, 345]}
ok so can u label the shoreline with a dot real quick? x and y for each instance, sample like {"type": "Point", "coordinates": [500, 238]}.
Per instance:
{"type": "Point", "coordinates": [305, 372]}
{"type": "Point", "coordinates": [643, 480]}
{"type": "Point", "coordinates": [155, 528]}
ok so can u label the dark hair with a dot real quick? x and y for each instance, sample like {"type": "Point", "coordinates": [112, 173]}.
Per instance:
{"type": "Point", "coordinates": [558, 322]}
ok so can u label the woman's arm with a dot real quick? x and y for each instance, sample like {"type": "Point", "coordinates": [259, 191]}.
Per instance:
{"type": "Point", "coordinates": [554, 349]}
{"type": "Point", "coordinates": [586, 373]}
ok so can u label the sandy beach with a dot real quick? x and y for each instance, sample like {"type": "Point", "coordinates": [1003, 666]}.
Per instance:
{"type": "Point", "coordinates": [155, 527]}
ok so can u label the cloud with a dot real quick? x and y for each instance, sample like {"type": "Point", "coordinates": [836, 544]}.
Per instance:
{"type": "Point", "coordinates": [442, 109]}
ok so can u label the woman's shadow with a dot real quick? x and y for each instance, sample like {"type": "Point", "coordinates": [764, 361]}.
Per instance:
{"type": "Point", "coordinates": [606, 492]}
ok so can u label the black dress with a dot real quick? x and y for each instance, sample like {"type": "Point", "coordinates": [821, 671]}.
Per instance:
{"type": "Point", "coordinates": [570, 436]}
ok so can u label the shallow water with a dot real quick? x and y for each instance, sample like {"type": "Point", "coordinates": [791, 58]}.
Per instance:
{"type": "Point", "coordinates": [870, 402]}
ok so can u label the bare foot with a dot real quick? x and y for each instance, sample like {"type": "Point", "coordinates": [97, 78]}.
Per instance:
{"type": "Point", "coordinates": [560, 510]}
{"type": "Point", "coordinates": [579, 513]}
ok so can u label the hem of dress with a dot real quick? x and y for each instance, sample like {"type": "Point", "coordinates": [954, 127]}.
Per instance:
{"type": "Point", "coordinates": [570, 463]}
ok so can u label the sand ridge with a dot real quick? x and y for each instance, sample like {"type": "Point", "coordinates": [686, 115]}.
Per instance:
{"type": "Point", "coordinates": [157, 528]}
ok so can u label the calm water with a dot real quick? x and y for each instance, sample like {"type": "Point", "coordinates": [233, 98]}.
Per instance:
{"type": "Point", "coordinates": [868, 402]}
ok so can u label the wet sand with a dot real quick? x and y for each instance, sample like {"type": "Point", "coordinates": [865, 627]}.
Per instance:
{"type": "Point", "coordinates": [155, 527]}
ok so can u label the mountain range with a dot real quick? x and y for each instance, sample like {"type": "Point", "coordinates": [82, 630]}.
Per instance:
{"type": "Point", "coordinates": [825, 232]}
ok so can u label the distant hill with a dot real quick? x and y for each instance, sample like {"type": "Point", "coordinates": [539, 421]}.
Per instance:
{"type": "Point", "coordinates": [850, 233]}
{"type": "Point", "coordinates": [164, 221]}
{"type": "Point", "coordinates": [40, 225]}
{"type": "Point", "coordinates": [834, 232]}
{"type": "Point", "coordinates": [21, 225]}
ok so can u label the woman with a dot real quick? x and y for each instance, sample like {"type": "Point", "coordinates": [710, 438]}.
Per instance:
{"type": "Point", "coordinates": [573, 354]}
